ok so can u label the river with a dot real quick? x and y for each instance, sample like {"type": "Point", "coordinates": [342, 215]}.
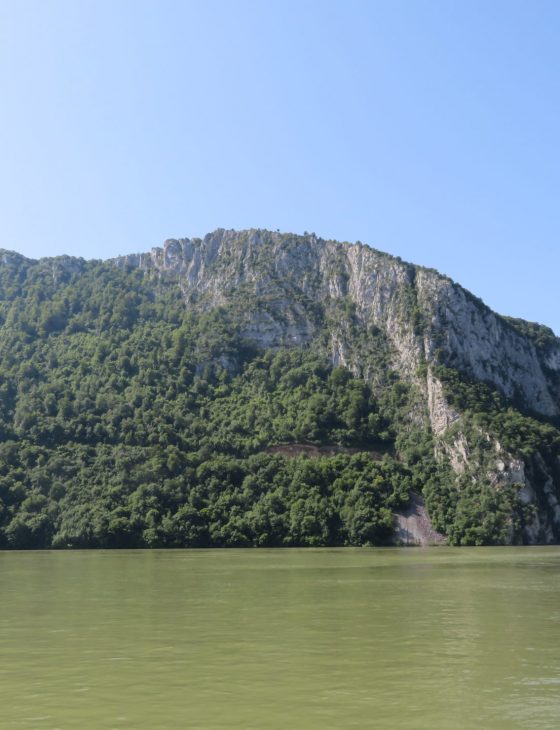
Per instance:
{"type": "Point", "coordinates": [422, 639]}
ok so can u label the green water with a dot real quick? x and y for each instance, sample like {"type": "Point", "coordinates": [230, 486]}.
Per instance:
{"type": "Point", "coordinates": [418, 639]}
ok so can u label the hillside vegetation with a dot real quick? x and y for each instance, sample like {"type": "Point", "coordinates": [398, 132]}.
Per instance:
{"type": "Point", "coordinates": [133, 414]}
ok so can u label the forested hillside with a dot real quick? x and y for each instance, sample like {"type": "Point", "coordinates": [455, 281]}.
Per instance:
{"type": "Point", "coordinates": [135, 412]}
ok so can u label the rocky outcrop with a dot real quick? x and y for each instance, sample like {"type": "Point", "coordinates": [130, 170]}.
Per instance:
{"type": "Point", "coordinates": [474, 339]}
{"type": "Point", "coordinates": [282, 281]}
{"type": "Point", "coordinates": [426, 317]}
{"type": "Point", "coordinates": [414, 527]}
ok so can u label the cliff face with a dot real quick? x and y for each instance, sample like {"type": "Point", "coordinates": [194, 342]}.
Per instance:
{"type": "Point", "coordinates": [426, 317]}
{"type": "Point", "coordinates": [290, 285]}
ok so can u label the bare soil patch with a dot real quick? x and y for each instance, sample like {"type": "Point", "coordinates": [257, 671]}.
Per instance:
{"type": "Point", "coordinates": [316, 451]}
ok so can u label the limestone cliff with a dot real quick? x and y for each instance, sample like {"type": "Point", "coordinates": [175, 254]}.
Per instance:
{"type": "Point", "coordinates": [426, 317]}
{"type": "Point", "coordinates": [286, 287]}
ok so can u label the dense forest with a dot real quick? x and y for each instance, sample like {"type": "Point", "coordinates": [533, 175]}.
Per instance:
{"type": "Point", "coordinates": [128, 419]}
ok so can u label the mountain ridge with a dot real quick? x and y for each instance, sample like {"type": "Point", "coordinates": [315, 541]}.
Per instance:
{"type": "Point", "coordinates": [184, 257]}
{"type": "Point", "coordinates": [192, 260]}
{"type": "Point", "coordinates": [468, 394]}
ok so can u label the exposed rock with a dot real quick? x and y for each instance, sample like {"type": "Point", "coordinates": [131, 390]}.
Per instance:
{"type": "Point", "coordinates": [425, 318]}
{"type": "Point", "coordinates": [414, 527]}
{"type": "Point", "coordinates": [291, 271]}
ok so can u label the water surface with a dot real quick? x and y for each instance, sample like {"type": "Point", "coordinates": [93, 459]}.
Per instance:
{"type": "Point", "coordinates": [420, 639]}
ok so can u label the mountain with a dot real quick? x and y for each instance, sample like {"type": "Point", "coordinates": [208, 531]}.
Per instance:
{"type": "Point", "coordinates": [258, 388]}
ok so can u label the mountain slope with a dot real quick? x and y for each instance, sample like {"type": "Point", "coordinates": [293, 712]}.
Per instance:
{"type": "Point", "coordinates": [289, 277]}
{"type": "Point", "coordinates": [141, 399]}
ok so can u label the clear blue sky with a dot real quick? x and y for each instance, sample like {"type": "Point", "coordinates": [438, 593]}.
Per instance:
{"type": "Point", "coordinates": [429, 129]}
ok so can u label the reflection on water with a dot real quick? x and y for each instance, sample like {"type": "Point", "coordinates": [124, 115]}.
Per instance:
{"type": "Point", "coordinates": [348, 638]}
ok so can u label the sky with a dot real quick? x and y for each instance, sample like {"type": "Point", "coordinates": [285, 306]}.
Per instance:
{"type": "Point", "coordinates": [426, 128]}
